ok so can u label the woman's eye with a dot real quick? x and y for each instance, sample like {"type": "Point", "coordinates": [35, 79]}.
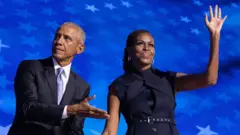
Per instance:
{"type": "Point", "coordinates": [139, 43]}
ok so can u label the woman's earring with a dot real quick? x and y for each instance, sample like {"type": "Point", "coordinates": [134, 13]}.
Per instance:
{"type": "Point", "coordinates": [153, 62]}
{"type": "Point", "coordinates": [129, 58]}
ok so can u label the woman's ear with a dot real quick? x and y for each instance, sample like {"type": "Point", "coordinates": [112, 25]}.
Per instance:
{"type": "Point", "coordinates": [129, 50]}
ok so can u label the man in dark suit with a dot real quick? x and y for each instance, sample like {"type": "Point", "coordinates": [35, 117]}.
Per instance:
{"type": "Point", "coordinates": [50, 98]}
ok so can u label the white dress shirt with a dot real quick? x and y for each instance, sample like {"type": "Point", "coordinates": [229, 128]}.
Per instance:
{"type": "Point", "coordinates": [65, 76]}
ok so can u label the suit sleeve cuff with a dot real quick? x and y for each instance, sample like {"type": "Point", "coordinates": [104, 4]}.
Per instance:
{"type": "Point", "coordinates": [64, 114]}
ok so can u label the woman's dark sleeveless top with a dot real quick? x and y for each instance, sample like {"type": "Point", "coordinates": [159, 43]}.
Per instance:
{"type": "Point", "coordinates": [144, 95]}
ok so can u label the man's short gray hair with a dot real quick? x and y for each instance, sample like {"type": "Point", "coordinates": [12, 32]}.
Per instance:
{"type": "Point", "coordinates": [80, 29]}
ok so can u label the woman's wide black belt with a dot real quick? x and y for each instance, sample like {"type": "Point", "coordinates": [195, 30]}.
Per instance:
{"type": "Point", "coordinates": [151, 120]}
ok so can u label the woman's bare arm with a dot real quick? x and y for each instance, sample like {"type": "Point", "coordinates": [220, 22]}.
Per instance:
{"type": "Point", "coordinates": [111, 125]}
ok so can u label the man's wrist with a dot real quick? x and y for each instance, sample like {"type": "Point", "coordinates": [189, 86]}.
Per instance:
{"type": "Point", "coordinates": [71, 110]}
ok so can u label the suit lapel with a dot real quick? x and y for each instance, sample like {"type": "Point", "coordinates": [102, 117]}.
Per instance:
{"type": "Point", "coordinates": [70, 90]}
{"type": "Point", "coordinates": [51, 78]}
{"type": "Point", "coordinates": [52, 82]}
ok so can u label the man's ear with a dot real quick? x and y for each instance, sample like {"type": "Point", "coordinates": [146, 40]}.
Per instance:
{"type": "Point", "coordinates": [81, 48]}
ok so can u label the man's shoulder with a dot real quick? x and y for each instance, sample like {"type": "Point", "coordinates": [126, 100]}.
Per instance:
{"type": "Point", "coordinates": [29, 64]}
{"type": "Point", "coordinates": [35, 64]}
{"type": "Point", "coordinates": [28, 67]}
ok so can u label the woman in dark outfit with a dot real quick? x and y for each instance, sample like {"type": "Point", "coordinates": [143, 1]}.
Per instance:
{"type": "Point", "coordinates": [145, 95]}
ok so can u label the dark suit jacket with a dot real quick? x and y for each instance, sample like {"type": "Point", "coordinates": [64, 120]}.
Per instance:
{"type": "Point", "coordinates": [37, 112]}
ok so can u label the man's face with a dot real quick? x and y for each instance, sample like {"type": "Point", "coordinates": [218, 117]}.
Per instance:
{"type": "Point", "coordinates": [67, 42]}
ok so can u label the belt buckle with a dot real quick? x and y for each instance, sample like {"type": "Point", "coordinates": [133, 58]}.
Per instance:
{"type": "Point", "coordinates": [149, 120]}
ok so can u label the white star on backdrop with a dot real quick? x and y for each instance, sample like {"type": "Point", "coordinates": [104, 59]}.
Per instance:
{"type": "Point", "coordinates": [185, 19]}
{"type": "Point", "coordinates": [198, 3]}
{"type": "Point", "coordinates": [91, 8]}
{"type": "Point", "coordinates": [3, 45]}
{"type": "Point", "coordinates": [195, 31]}
{"type": "Point", "coordinates": [110, 6]}
{"type": "Point", "coordinates": [206, 131]}
{"type": "Point", "coordinates": [234, 5]}
{"type": "Point", "coordinates": [126, 4]}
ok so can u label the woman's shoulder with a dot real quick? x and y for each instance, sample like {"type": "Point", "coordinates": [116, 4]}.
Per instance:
{"type": "Point", "coordinates": [122, 79]}
{"type": "Point", "coordinates": [118, 85]}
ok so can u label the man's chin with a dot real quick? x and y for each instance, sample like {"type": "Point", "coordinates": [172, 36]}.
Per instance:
{"type": "Point", "coordinates": [58, 56]}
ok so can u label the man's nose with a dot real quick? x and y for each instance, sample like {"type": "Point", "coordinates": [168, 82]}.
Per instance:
{"type": "Point", "coordinates": [60, 40]}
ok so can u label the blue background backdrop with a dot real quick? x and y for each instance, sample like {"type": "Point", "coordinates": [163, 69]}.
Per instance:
{"type": "Point", "coordinates": [182, 44]}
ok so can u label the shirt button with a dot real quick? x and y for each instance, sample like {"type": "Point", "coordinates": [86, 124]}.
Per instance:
{"type": "Point", "coordinates": [154, 129]}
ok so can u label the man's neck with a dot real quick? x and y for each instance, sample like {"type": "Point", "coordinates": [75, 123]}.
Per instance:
{"type": "Point", "coordinates": [64, 62]}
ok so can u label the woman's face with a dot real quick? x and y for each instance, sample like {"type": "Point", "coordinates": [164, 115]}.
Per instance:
{"type": "Point", "coordinates": [143, 51]}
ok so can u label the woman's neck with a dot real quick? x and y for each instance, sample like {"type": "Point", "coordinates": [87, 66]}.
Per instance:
{"type": "Point", "coordinates": [143, 67]}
